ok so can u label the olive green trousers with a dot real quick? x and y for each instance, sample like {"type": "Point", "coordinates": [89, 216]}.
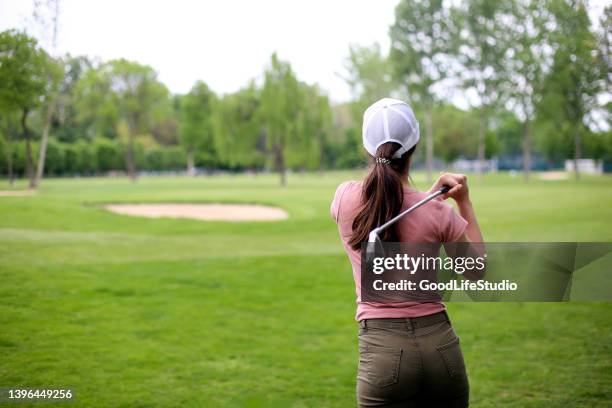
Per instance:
{"type": "Point", "coordinates": [411, 362]}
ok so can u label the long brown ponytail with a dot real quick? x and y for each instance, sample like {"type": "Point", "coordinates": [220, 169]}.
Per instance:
{"type": "Point", "coordinates": [382, 195]}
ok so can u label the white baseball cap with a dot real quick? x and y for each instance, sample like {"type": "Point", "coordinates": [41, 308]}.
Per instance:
{"type": "Point", "coordinates": [390, 120]}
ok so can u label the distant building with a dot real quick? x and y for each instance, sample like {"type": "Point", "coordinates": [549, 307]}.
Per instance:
{"type": "Point", "coordinates": [467, 166]}
{"type": "Point", "coordinates": [586, 166]}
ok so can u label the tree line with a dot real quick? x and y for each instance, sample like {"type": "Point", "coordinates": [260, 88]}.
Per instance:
{"type": "Point", "coordinates": [116, 115]}
{"type": "Point", "coordinates": [538, 64]}
{"type": "Point", "coordinates": [535, 73]}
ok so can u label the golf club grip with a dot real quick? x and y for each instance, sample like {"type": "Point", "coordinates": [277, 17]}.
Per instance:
{"type": "Point", "coordinates": [444, 189]}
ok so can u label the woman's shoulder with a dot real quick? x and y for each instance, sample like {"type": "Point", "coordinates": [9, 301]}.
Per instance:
{"type": "Point", "coordinates": [438, 215]}
{"type": "Point", "coordinates": [348, 184]}
{"type": "Point", "coordinates": [437, 204]}
{"type": "Point", "coordinates": [345, 187]}
{"type": "Point", "coordinates": [348, 189]}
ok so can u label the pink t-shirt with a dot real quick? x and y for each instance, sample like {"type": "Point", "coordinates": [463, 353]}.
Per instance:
{"type": "Point", "coordinates": [435, 221]}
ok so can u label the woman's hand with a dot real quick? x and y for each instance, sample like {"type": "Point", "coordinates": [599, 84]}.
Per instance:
{"type": "Point", "coordinates": [459, 190]}
{"type": "Point", "coordinates": [460, 193]}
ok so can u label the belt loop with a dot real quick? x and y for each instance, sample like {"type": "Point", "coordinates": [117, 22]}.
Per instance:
{"type": "Point", "coordinates": [363, 323]}
{"type": "Point", "coordinates": [409, 324]}
{"type": "Point", "coordinates": [446, 315]}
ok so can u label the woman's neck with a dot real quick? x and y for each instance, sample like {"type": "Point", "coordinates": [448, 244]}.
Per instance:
{"type": "Point", "coordinates": [406, 183]}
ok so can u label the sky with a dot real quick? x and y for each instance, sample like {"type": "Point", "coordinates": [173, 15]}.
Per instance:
{"type": "Point", "coordinates": [224, 43]}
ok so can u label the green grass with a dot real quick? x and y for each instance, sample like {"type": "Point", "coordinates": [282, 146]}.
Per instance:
{"type": "Point", "coordinates": [140, 312]}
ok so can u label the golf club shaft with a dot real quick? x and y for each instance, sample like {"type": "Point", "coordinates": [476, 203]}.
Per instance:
{"type": "Point", "coordinates": [412, 208]}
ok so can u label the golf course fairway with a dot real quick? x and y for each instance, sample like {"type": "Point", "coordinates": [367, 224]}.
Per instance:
{"type": "Point", "coordinates": [130, 311]}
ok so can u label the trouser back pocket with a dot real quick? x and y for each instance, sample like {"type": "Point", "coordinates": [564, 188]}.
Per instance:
{"type": "Point", "coordinates": [453, 358]}
{"type": "Point", "coordinates": [379, 366]}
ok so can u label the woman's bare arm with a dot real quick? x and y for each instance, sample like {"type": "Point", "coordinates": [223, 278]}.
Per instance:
{"type": "Point", "coordinates": [460, 192]}
{"type": "Point", "coordinates": [472, 230]}
{"type": "Point", "coordinates": [472, 235]}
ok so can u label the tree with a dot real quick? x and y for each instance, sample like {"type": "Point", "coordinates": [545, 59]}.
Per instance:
{"type": "Point", "coordinates": [239, 139]}
{"type": "Point", "coordinates": [455, 133]}
{"type": "Point", "coordinates": [54, 75]}
{"type": "Point", "coordinates": [65, 123]}
{"type": "Point", "coordinates": [350, 153]}
{"type": "Point", "coordinates": [166, 130]}
{"type": "Point", "coordinates": [140, 98]}
{"type": "Point", "coordinates": [528, 59]}
{"type": "Point", "coordinates": [314, 126]}
{"type": "Point", "coordinates": [321, 121]}
{"type": "Point", "coordinates": [369, 75]}
{"type": "Point", "coordinates": [605, 58]}
{"type": "Point", "coordinates": [9, 127]}
{"type": "Point", "coordinates": [121, 94]}
{"type": "Point", "coordinates": [509, 132]}
{"type": "Point", "coordinates": [95, 104]}
{"type": "Point", "coordinates": [24, 71]}
{"type": "Point", "coordinates": [280, 109]}
{"type": "Point", "coordinates": [605, 47]}
{"type": "Point", "coordinates": [481, 43]}
{"type": "Point", "coordinates": [370, 78]}
{"type": "Point", "coordinates": [41, 10]}
{"type": "Point", "coordinates": [571, 87]}
{"type": "Point", "coordinates": [122, 91]}
{"type": "Point", "coordinates": [97, 112]}
{"type": "Point", "coordinates": [196, 122]}
{"type": "Point", "coordinates": [420, 54]}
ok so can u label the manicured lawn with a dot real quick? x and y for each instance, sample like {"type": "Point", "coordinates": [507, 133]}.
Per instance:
{"type": "Point", "coordinates": [141, 312]}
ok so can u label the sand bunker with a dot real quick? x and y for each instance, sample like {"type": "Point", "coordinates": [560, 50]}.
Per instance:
{"type": "Point", "coordinates": [206, 212]}
{"type": "Point", "coordinates": [553, 175]}
{"type": "Point", "coordinates": [17, 193]}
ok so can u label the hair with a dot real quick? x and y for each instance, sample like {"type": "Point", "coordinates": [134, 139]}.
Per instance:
{"type": "Point", "coordinates": [382, 195]}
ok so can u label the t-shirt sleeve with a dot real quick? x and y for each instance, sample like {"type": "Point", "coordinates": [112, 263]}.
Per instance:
{"type": "Point", "coordinates": [452, 225]}
{"type": "Point", "coordinates": [335, 205]}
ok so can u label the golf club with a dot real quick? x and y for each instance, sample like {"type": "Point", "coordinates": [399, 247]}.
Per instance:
{"type": "Point", "coordinates": [374, 245]}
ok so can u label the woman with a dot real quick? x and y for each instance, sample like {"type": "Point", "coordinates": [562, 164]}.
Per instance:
{"type": "Point", "coordinates": [409, 354]}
